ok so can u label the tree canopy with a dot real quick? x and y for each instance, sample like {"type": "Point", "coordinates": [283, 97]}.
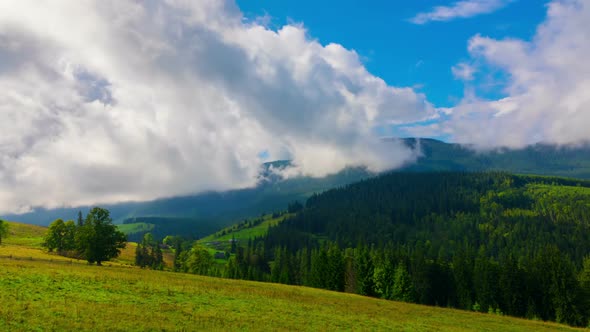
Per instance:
{"type": "Point", "coordinates": [491, 242]}
{"type": "Point", "coordinates": [98, 239]}
{"type": "Point", "coordinates": [149, 254]}
{"type": "Point", "coordinates": [61, 236]}
{"type": "Point", "coordinates": [95, 239]}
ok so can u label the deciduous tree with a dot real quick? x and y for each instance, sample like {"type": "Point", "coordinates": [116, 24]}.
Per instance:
{"type": "Point", "coordinates": [99, 240]}
{"type": "Point", "coordinates": [61, 236]}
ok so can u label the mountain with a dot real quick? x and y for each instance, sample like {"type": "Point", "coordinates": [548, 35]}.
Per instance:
{"type": "Point", "coordinates": [206, 212]}
{"type": "Point", "coordinates": [540, 159]}
{"type": "Point", "coordinates": [489, 242]}
{"type": "Point", "coordinates": [198, 215]}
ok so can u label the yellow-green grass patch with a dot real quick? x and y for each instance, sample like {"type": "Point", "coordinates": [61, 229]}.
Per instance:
{"type": "Point", "coordinates": [46, 296]}
{"type": "Point", "coordinates": [24, 234]}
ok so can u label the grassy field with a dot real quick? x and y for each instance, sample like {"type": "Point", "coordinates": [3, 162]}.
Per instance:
{"type": "Point", "coordinates": [139, 227]}
{"type": "Point", "coordinates": [244, 233]}
{"type": "Point", "coordinates": [41, 291]}
{"type": "Point", "coordinates": [25, 234]}
{"type": "Point", "coordinates": [46, 296]}
{"type": "Point", "coordinates": [25, 242]}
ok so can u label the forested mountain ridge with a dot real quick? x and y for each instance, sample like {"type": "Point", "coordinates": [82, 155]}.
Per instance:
{"type": "Point", "coordinates": [378, 210]}
{"type": "Point", "coordinates": [540, 159]}
{"type": "Point", "coordinates": [492, 242]}
{"type": "Point", "coordinates": [204, 213]}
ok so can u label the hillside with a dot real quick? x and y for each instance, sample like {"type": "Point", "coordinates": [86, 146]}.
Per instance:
{"type": "Point", "coordinates": [50, 292]}
{"type": "Point", "coordinates": [199, 215]}
{"type": "Point", "coordinates": [45, 287]}
{"type": "Point", "coordinates": [202, 214]}
{"type": "Point", "coordinates": [47, 296]}
{"type": "Point", "coordinates": [24, 242]}
{"type": "Point", "coordinates": [489, 242]}
{"type": "Point", "coordinates": [540, 159]}
{"type": "Point", "coordinates": [247, 229]}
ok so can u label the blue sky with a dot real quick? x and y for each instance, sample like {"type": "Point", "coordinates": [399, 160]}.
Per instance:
{"type": "Point", "coordinates": [398, 51]}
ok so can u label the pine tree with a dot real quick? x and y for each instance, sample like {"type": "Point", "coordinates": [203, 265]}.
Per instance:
{"type": "Point", "coordinates": [233, 244]}
{"type": "Point", "coordinates": [158, 263]}
{"type": "Point", "coordinates": [364, 268]}
{"type": "Point", "coordinates": [139, 257]}
{"type": "Point", "coordinates": [463, 276]}
{"type": "Point", "coordinates": [80, 219]}
{"type": "Point", "coordinates": [403, 289]}
{"type": "Point", "coordinates": [148, 253]}
{"type": "Point", "coordinates": [485, 281]}
{"type": "Point", "coordinates": [335, 269]}
{"type": "Point", "coordinates": [584, 280]}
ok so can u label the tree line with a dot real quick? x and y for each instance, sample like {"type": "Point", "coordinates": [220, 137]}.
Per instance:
{"type": "Point", "coordinates": [93, 238]}
{"type": "Point", "coordinates": [148, 253]}
{"type": "Point", "coordinates": [489, 242]}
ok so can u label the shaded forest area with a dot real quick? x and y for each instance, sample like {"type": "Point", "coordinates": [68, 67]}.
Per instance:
{"type": "Point", "coordinates": [489, 242]}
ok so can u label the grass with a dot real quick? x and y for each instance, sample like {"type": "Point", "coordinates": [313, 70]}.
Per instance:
{"type": "Point", "coordinates": [25, 234]}
{"type": "Point", "coordinates": [140, 227]}
{"type": "Point", "coordinates": [25, 242]}
{"type": "Point", "coordinates": [559, 191]}
{"type": "Point", "coordinates": [46, 296]}
{"type": "Point", "coordinates": [42, 291]}
{"type": "Point", "coordinates": [243, 234]}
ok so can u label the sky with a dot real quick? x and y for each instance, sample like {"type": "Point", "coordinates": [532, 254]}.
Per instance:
{"type": "Point", "coordinates": [392, 47]}
{"type": "Point", "coordinates": [104, 101]}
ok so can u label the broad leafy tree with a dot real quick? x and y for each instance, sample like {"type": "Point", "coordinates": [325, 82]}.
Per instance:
{"type": "Point", "coordinates": [198, 260]}
{"type": "Point", "coordinates": [61, 236]}
{"type": "Point", "coordinates": [98, 239]}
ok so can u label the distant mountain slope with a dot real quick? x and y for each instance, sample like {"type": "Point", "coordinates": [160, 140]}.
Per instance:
{"type": "Point", "coordinates": [483, 241]}
{"type": "Point", "coordinates": [214, 210]}
{"type": "Point", "coordinates": [537, 159]}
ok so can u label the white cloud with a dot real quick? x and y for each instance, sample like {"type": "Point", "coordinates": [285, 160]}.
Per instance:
{"type": "Point", "coordinates": [460, 9]}
{"type": "Point", "coordinates": [103, 101]}
{"type": "Point", "coordinates": [548, 83]}
{"type": "Point", "coordinates": [463, 71]}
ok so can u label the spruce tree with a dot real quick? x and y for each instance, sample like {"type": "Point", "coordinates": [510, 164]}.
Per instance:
{"type": "Point", "coordinates": [80, 219]}
{"type": "Point", "coordinates": [403, 289]}
{"type": "Point", "coordinates": [584, 279]}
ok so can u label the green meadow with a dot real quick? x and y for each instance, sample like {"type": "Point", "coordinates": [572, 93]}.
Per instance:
{"type": "Point", "coordinates": [51, 296]}
{"type": "Point", "coordinates": [40, 291]}
{"type": "Point", "coordinates": [243, 232]}
{"type": "Point", "coordinates": [139, 227]}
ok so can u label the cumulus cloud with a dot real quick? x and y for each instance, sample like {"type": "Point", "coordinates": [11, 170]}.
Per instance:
{"type": "Point", "coordinates": [460, 9]}
{"type": "Point", "coordinates": [103, 101]}
{"type": "Point", "coordinates": [547, 85]}
{"type": "Point", "coordinates": [463, 71]}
